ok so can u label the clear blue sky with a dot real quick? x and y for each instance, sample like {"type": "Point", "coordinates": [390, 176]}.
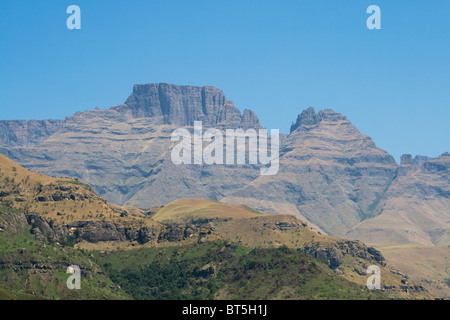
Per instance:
{"type": "Point", "coordinates": [274, 57]}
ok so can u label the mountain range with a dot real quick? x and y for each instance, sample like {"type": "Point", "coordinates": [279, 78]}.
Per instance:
{"type": "Point", "coordinates": [189, 248]}
{"type": "Point", "coordinates": [331, 175]}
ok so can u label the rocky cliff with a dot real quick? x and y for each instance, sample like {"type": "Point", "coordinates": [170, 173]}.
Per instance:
{"type": "Point", "coordinates": [415, 207]}
{"type": "Point", "coordinates": [178, 105]}
{"type": "Point", "coordinates": [27, 133]}
{"type": "Point", "coordinates": [330, 173]}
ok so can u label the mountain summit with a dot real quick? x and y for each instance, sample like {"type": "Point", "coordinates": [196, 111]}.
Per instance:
{"type": "Point", "coordinates": [309, 117]}
{"type": "Point", "coordinates": [182, 105]}
{"type": "Point", "coordinates": [157, 103]}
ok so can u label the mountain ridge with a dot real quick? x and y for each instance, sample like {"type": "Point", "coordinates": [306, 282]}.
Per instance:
{"type": "Point", "coordinates": [331, 175]}
{"type": "Point", "coordinates": [44, 221]}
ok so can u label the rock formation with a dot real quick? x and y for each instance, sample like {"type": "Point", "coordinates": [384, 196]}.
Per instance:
{"type": "Point", "coordinates": [330, 174]}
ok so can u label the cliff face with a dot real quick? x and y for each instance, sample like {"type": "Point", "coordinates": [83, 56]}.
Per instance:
{"type": "Point", "coordinates": [309, 119]}
{"type": "Point", "coordinates": [416, 206]}
{"type": "Point", "coordinates": [27, 133]}
{"type": "Point", "coordinates": [330, 173]}
{"type": "Point", "coordinates": [182, 105]}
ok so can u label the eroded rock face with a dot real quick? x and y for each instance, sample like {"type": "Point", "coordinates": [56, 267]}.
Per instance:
{"type": "Point", "coordinates": [182, 105]}
{"type": "Point", "coordinates": [172, 233]}
{"type": "Point", "coordinates": [27, 133]}
{"type": "Point", "coordinates": [333, 253]}
{"type": "Point", "coordinates": [96, 231]}
{"type": "Point", "coordinates": [45, 230]}
{"type": "Point", "coordinates": [12, 222]}
{"type": "Point", "coordinates": [418, 199]}
{"type": "Point", "coordinates": [146, 234]}
{"type": "Point", "coordinates": [283, 226]}
{"type": "Point", "coordinates": [101, 231]}
{"type": "Point", "coordinates": [91, 231]}
{"type": "Point", "coordinates": [309, 118]}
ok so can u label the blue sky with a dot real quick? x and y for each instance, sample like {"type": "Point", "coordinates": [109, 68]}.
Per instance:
{"type": "Point", "coordinates": [274, 57]}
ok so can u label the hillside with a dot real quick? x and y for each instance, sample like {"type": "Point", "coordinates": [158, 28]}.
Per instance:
{"type": "Point", "coordinates": [34, 270]}
{"type": "Point", "coordinates": [42, 217]}
{"type": "Point", "coordinates": [221, 270]}
{"type": "Point", "coordinates": [413, 229]}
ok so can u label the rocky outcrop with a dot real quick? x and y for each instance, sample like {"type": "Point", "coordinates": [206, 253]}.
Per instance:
{"type": "Point", "coordinates": [101, 231]}
{"type": "Point", "coordinates": [309, 118]}
{"type": "Point", "coordinates": [283, 226]}
{"type": "Point", "coordinates": [96, 231]}
{"type": "Point", "coordinates": [91, 231]}
{"type": "Point", "coordinates": [406, 159]}
{"type": "Point", "coordinates": [333, 252]}
{"type": "Point", "coordinates": [172, 233]}
{"type": "Point", "coordinates": [12, 221]}
{"type": "Point", "coordinates": [44, 230]}
{"type": "Point", "coordinates": [197, 227]}
{"type": "Point", "coordinates": [145, 235]}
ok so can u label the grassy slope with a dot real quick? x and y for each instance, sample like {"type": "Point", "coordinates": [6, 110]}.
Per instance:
{"type": "Point", "coordinates": [25, 187]}
{"type": "Point", "coordinates": [240, 223]}
{"type": "Point", "coordinates": [22, 275]}
{"type": "Point", "coordinates": [218, 271]}
{"type": "Point", "coordinates": [187, 209]}
{"type": "Point", "coordinates": [428, 266]}
{"type": "Point", "coordinates": [248, 228]}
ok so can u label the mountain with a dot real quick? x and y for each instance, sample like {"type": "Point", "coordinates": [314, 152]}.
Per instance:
{"type": "Point", "coordinates": [415, 207]}
{"type": "Point", "coordinates": [179, 105]}
{"type": "Point", "coordinates": [47, 224]}
{"type": "Point", "coordinates": [329, 173]}
{"type": "Point", "coordinates": [413, 229]}
{"type": "Point", "coordinates": [331, 176]}
{"type": "Point", "coordinates": [124, 151]}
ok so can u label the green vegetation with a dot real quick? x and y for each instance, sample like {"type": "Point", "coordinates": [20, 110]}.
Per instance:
{"type": "Point", "coordinates": [227, 271]}
{"type": "Point", "coordinates": [30, 269]}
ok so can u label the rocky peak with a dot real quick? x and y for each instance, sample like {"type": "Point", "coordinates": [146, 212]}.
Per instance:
{"type": "Point", "coordinates": [182, 105]}
{"type": "Point", "coordinates": [406, 159]}
{"type": "Point", "coordinates": [309, 117]}
{"type": "Point", "coordinates": [418, 160]}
